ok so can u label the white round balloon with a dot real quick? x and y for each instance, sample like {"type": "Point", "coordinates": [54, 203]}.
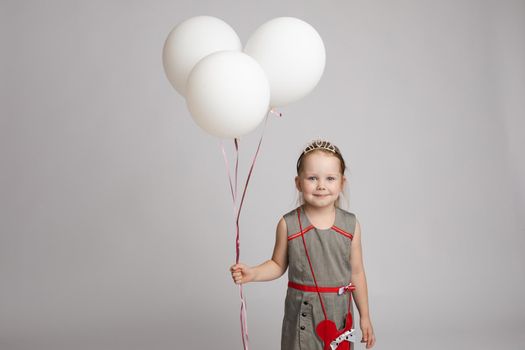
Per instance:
{"type": "Point", "coordinates": [192, 40]}
{"type": "Point", "coordinates": [293, 56]}
{"type": "Point", "coordinates": [228, 94]}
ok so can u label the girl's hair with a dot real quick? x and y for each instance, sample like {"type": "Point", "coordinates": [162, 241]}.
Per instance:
{"type": "Point", "coordinates": [327, 147]}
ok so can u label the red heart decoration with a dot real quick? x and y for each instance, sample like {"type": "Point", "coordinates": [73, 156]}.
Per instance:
{"type": "Point", "coordinates": [327, 331]}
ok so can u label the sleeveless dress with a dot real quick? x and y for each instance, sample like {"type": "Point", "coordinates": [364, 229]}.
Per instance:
{"type": "Point", "coordinates": [329, 251]}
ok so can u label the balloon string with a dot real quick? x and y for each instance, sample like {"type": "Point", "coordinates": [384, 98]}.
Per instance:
{"type": "Point", "coordinates": [237, 214]}
{"type": "Point", "coordinates": [233, 190]}
{"type": "Point", "coordinates": [251, 169]}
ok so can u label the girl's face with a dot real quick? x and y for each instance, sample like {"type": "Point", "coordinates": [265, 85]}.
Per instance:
{"type": "Point", "coordinates": [320, 180]}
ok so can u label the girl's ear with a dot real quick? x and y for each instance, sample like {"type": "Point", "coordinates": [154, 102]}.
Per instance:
{"type": "Point", "coordinates": [298, 184]}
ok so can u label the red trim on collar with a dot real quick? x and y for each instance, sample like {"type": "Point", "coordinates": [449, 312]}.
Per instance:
{"type": "Point", "coordinates": [298, 234]}
{"type": "Point", "coordinates": [335, 228]}
{"type": "Point", "coordinates": [343, 232]}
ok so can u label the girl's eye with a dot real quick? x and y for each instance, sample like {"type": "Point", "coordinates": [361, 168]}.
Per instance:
{"type": "Point", "coordinates": [331, 178]}
{"type": "Point", "coordinates": [312, 178]}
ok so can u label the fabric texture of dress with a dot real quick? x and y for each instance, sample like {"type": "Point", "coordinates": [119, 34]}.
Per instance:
{"type": "Point", "coordinates": [329, 251]}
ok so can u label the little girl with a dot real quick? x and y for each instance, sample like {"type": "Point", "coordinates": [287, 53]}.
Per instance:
{"type": "Point", "coordinates": [321, 245]}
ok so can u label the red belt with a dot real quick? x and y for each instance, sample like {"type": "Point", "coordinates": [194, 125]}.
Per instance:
{"type": "Point", "coordinates": [321, 289]}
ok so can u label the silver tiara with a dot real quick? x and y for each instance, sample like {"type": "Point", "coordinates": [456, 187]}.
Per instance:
{"type": "Point", "coordinates": [319, 144]}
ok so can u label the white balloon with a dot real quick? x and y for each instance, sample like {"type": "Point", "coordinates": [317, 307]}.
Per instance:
{"type": "Point", "coordinates": [192, 40]}
{"type": "Point", "coordinates": [293, 56]}
{"type": "Point", "coordinates": [228, 94]}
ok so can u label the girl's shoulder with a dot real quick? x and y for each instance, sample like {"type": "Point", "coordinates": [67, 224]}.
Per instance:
{"type": "Point", "coordinates": [346, 220]}
{"type": "Point", "coordinates": [292, 222]}
{"type": "Point", "coordinates": [346, 212]}
{"type": "Point", "coordinates": [290, 213]}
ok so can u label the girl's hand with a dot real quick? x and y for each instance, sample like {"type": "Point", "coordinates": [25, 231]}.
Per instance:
{"type": "Point", "coordinates": [242, 273]}
{"type": "Point", "coordinates": [368, 333]}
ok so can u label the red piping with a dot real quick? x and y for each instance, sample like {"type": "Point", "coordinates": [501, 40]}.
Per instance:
{"type": "Point", "coordinates": [335, 228]}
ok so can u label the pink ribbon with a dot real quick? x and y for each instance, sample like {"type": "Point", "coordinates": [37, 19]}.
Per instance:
{"type": "Point", "coordinates": [237, 214]}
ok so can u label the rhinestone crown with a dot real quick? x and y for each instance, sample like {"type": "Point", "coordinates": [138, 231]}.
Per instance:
{"type": "Point", "coordinates": [319, 144]}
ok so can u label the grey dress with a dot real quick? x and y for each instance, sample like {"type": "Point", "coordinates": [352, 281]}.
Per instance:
{"type": "Point", "coordinates": [329, 251]}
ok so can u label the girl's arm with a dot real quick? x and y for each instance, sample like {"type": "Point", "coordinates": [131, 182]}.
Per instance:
{"type": "Point", "coordinates": [277, 265]}
{"type": "Point", "coordinates": [361, 290]}
{"type": "Point", "coordinates": [270, 269]}
{"type": "Point", "coordinates": [358, 274]}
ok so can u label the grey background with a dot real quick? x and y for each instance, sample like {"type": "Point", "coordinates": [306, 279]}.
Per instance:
{"type": "Point", "coordinates": [116, 221]}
